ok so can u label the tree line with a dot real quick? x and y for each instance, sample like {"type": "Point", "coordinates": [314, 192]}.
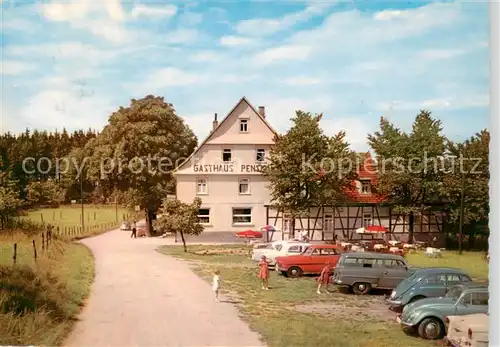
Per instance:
{"type": "Point", "coordinates": [149, 130]}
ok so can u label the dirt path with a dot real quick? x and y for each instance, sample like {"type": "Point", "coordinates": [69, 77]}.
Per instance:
{"type": "Point", "coordinates": [143, 298]}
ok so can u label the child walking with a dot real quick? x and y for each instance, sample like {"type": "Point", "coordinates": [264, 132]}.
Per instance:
{"type": "Point", "coordinates": [264, 272]}
{"type": "Point", "coordinates": [216, 284]}
{"type": "Point", "coordinates": [324, 277]}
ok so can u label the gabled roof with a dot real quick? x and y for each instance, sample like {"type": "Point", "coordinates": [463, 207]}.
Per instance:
{"type": "Point", "coordinates": [242, 100]}
{"type": "Point", "coordinates": [368, 171]}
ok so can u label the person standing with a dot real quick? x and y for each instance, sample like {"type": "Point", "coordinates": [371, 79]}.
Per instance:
{"type": "Point", "coordinates": [216, 284]}
{"type": "Point", "coordinates": [324, 277]}
{"type": "Point", "coordinates": [134, 230]}
{"type": "Point", "coordinates": [264, 272]}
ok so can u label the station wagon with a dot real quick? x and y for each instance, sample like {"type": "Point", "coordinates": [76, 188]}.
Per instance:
{"type": "Point", "coordinates": [281, 249]}
{"type": "Point", "coordinates": [428, 316]}
{"type": "Point", "coordinates": [427, 283]}
{"type": "Point", "coordinates": [362, 271]}
{"type": "Point", "coordinates": [311, 261]}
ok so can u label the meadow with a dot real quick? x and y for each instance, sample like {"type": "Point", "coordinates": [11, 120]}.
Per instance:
{"type": "Point", "coordinates": [292, 314]}
{"type": "Point", "coordinates": [40, 297]}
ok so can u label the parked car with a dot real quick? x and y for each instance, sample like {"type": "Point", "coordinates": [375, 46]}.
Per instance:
{"type": "Point", "coordinates": [362, 271]}
{"type": "Point", "coordinates": [125, 225]}
{"type": "Point", "coordinates": [428, 316]}
{"type": "Point", "coordinates": [468, 331]}
{"type": "Point", "coordinates": [426, 283]}
{"type": "Point", "coordinates": [280, 250]}
{"type": "Point", "coordinates": [311, 261]}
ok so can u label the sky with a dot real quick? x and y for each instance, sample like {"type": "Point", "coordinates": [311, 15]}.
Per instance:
{"type": "Point", "coordinates": [72, 63]}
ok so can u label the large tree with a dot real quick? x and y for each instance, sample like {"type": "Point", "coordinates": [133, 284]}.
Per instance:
{"type": "Point", "coordinates": [467, 181]}
{"type": "Point", "coordinates": [180, 217]}
{"type": "Point", "coordinates": [307, 168]}
{"type": "Point", "coordinates": [410, 165]}
{"type": "Point", "coordinates": [137, 151]}
{"type": "Point", "coordinates": [47, 192]}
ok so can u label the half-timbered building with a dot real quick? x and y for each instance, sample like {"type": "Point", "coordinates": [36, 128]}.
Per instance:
{"type": "Point", "coordinates": [224, 171]}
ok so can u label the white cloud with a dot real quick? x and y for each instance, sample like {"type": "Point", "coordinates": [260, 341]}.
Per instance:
{"type": "Point", "coordinates": [356, 130]}
{"type": "Point", "coordinates": [8, 67]}
{"type": "Point", "coordinates": [170, 76]}
{"type": "Point", "coordinates": [263, 26]}
{"type": "Point", "coordinates": [451, 103]}
{"type": "Point", "coordinates": [181, 36]}
{"type": "Point", "coordinates": [232, 41]}
{"type": "Point", "coordinates": [59, 104]}
{"type": "Point", "coordinates": [283, 53]}
{"type": "Point", "coordinates": [204, 56]}
{"type": "Point", "coordinates": [154, 11]}
{"type": "Point", "coordinates": [302, 80]}
{"type": "Point", "coordinates": [102, 19]}
{"type": "Point", "coordinates": [390, 14]}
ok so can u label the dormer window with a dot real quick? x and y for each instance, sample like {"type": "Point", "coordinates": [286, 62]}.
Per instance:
{"type": "Point", "coordinates": [243, 125]}
{"type": "Point", "coordinates": [365, 186]}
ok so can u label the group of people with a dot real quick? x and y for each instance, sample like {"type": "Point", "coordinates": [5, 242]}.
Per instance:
{"type": "Point", "coordinates": [324, 278]}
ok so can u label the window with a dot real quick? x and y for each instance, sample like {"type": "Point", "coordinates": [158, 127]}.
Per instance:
{"type": "Point", "coordinates": [480, 299]}
{"type": "Point", "coordinates": [466, 299]}
{"type": "Point", "coordinates": [367, 219]}
{"type": "Point", "coordinates": [393, 263]}
{"type": "Point", "coordinates": [352, 262]}
{"type": "Point", "coordinates": [226, 155]}
{"type": "Point", "coordinates": [204, 215]}
{"type": "Point", "coordinates": [243, 125]}
{"type": "Point", "coordinates": [324, 251]}
{"type": "Point", "coordinates": [295, 249]}
{"type": "Point", "coordinates": [365, 186]}
{"type": "Point", "coordinates": [328, 222]}
{"type": "Point", "coordinates": [452, 279]}
{"type": "Point", "coordinates": [242, 215]}
{"type": "Point", "coordinates": [201, 186]}
{"type": "Point", "coordinates": [465, 279]}
{"type": "Point", "coordinates": [244, 186]}
{"type": "Point", "coordinates": [436, 280]}
{"type": "Point", "coordinates": [261, 155]}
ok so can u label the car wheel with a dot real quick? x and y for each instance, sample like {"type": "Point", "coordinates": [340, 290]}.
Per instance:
{"type": "Point", "coordinates": [294, 272]}
{"type": "Point", "coordinates": [431, 329]}
{"type": "Point", "coordinates": [361, 288]}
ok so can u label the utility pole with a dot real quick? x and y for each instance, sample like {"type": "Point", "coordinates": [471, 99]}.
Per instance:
{"type": "Point", "coordinates": [116, 209]}
{"type": "Point", "coordinates": [462, 198]}
{"type": "Point", "coordinates": [81, 199]}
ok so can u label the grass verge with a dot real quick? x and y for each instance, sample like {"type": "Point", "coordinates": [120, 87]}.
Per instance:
{"type": "Point", "coordinates": [292, 314]}
{"type": "Point", "coordinates": [39, 300]}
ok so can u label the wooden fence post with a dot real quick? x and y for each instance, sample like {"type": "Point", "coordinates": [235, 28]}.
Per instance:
{"type": "Point", "coordinates": [34, 250]}
{"type": "Point", "coordinates": [94, 215]}
{"type": "Point", "coordinates": [14, 256]}
{"type": "Point", "coordinates": [43, 242]}
{"type": "Point", "coordinates": [41, 217]}
{"type": "Point", "coordinates": [60, 214]}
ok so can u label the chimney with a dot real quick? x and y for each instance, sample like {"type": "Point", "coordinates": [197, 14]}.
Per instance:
{"type": "Point", "coordinates": [215, 123]}
{"type": "Point", "coordinates": [262, 111]}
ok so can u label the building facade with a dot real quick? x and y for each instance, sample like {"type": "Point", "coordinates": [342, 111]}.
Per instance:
{"type": "Point", "coordinates": [224, 172]}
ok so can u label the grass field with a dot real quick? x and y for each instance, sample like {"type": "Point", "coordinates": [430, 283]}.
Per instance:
{"type": "Point", "coordinates": [68, 218]}
{"type": "Point", "coordinates": [39, 301]}
{"type": "Point", "coordinates": [292, 314]}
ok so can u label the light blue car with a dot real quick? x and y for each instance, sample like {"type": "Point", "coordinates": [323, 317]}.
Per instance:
{"type": "Point", "coordinates": [426, 283]}
{"type": "Point", "coordinates": [428, 316]}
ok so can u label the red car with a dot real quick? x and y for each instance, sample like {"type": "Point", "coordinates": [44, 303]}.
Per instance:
{"type": "Point", "coordinates": [249, 234]}
{"type": "Point", "coordinates": [311, 261]}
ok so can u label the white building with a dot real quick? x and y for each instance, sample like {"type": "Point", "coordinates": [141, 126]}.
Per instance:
{"type": "Point", "coordinates": [223, 172]}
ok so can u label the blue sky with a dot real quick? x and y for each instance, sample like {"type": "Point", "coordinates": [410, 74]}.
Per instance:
{"type": "Point", "coordinates": [70, 64]}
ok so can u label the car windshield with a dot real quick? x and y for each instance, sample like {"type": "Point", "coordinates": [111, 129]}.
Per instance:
{"type": "Point", "coordinates": [455, 292]}
{"type": "Point", "coordinates": [278, 247]}
{"type": "Point", "coordinates": [308, 251]}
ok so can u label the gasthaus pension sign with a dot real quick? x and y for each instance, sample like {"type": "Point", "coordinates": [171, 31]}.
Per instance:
{"type": "Point", "coordinates": [228, 168]}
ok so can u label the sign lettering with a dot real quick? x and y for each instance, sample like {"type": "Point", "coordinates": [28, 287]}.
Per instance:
{"type": "Point", "coordinates": [213, 168]}
{"type": "Point", "coordinates": [252, 168]}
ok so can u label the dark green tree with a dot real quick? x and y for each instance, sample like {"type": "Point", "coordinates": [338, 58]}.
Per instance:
{"type": "Point", "coordinates": [179, 217]}
{"type": "Point", "coordinates": [306, 168]}
{"type": "Point", "coordinates": [410, 165]}
{"type": "Point", "coordinates": [137, 151]}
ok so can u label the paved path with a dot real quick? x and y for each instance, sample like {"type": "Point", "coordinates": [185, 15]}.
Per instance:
{"type": "Point", "coordinates": [143, 298]}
